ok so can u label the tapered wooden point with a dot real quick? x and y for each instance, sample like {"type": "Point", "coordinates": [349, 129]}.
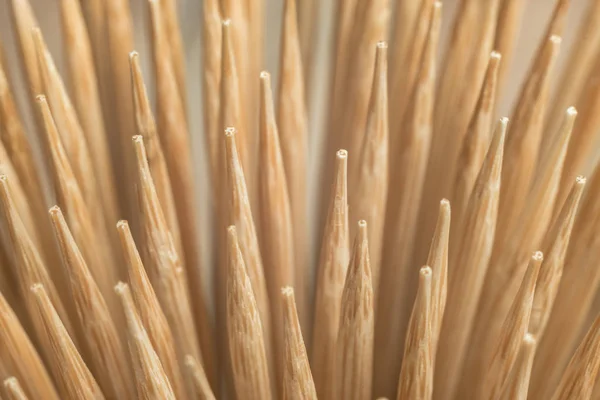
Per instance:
{"type": "Point", "coordinates": [13, 389]}
{"type": "Point", "coordinates": [341, 154]}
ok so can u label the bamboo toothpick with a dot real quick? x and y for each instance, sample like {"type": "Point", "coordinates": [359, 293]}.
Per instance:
{"type": "Point", "coordinates": [200, 381]}
{"type": "Point", "coordinates": [580, 375]}
{"type": "Point", "coordinates": [98, 329]}
{"type": "Point", "coordinates": [369, 180]}
{"type": "Point", "coordinates": [416, 376]}
{"type": "Point", "coordinates": [331, 274]}
{"type": "Point", "coordinates": [508, 27]}
{"type": "Point", "coordinates": [30, 268]}
{"type": "Point", "coordinates": [21, 357]}
{"type": "Point", "coordinates": [13, 389]}
{"type": "Point", "coordinates": [298, 382]}
{"type": "Point", "coordinates": [276, 216]}
{"type": "Point", "coordinates": [292, 122]}
{"type": "Point", "coordinates": [74, 379]}
{"type": "Point", "coordinates": [476, 141]}
{"type": "Point", "coordinates": [86, 99]}
{"type": "Point", "coordinates": [152, 382]}
{"type": "Point", "coordinates": [176, 53]}
{"type": "Point", "coordinates": [518, 385]}
{"type": "Point", "coordinates": [355, 338]}
{"type": "Point", "coordinates": [244, 328]}
{"type": "Point", "coordinates": [152, 317]}
{"type": "Point", "coordinates": [404, 198]}
{"type": "Point", "coordinates": [468, 257]}
{"type": "Point", "coordinates": [146, 127]}
{"type": "Point", "coordinates": [511, 335]}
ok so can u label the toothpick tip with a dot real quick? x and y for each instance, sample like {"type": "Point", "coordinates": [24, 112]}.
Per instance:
{"type": "Point", "coordinates": [264, 75]}
{"type": "Point", "coordinates": [36, 288]}
{"type": "Point", "coordinates": [572, 111]}
{"type": "Point", "coordinates": [137, 139]}
{"type": "Point", "coordinates": [496, 55]}
{"type": "Point", "coordinates": [54, 210]}
{"type": "Point", "coordinates": [529, 338]}
{"type": "Point", "coordinates": [538, 256]}
{"type": "Point", "coordinates": [555, 39]}
{"type": "Point", "coordinates": [227, 22]}
{"type": "Point", "coordinates": [425, 271]}
{"type": "Point", "coordinates": [230, 131]}
{"type": "Point", "coordinates": [120, 288]}
{"type": "Point", "coordinates": [287, 291]}
{"type": "Point", "coordinates": [341, 154]}
{"type": "Point", "coordinates": [40, 98]}
{"type": "Point", "coordinates": [122, 224]}
{"type": "Point", "coordinates": [382, 44]}
{"type": "Point", "coordinates": [580, 180]}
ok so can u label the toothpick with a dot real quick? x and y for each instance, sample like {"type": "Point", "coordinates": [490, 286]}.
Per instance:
{"type": "Point", "coordinates": [276, 218]}
{"type": "Point", "coordinates": [476, 141]}
{"type": "Point", "coordinates": [86, 99]}
{"type": "Point", "coordinates": [92, 239]}
{"type": "Point", "coordinates": [151, 379]}
{"type": "Point", "coordinates": [508, 28]}
{"type": "Point", "coordinates": [578, 379]}
{"type": "Point", "coordinates": [404, 198]}
{"type": "Point", "coordinates": [333, 262]}
{"type": "Point", "coordinates": [106, 351]}
{"type": "Point", "coordinates": [211, 80]}
{"type": "Point", "coordinates": [518, 384]}
{"type": "Point", "coordinates": [30, 267]}
{"type": "Point", "coordinates": [469, 256]}
{"type": "Point", "coordinates": [146, 127]}
{"type": "Point", "coordinates": [13, 389]}
{"type": "Point", "coordinates": [355, 339]}
{"type": "Point", "coordinates": [308, 32]}
{"type": "Point", "coordinates": [513, 330]}
{"type": "Point", "coordinates": [240, 215]}
{"type": "Point", "coordinates": [244, 327]}
{"type": "Point", "coordinates": [292, 122]}
{"type": "Point", "coordinates": [508, 261]}
{"type": "Point", "coordinates": [455, 99]}
{"type": "Point", "coordinates": [556, 243]}
{"type": "Point", "coordinates": [21, 357]}
{"type": "Point", "coordinates": [165, 267]}
{"type": "Point", "coordinates": [172, 31]}
{"type": "Point", "coordinates": [70, 131]}
{"type": "Point", "coordinates": [74, 379]}
{"type": "Point", "coordinates": [152, 316]}
{"type": "Point", "coordinates": [416, 376]}
{"type": "Point", "coordinates": [199, 379]}
{"type": "Point", "coordinates": [119, 38]}
{"type": "Point", "coordinates": [297, 379]}
{"type": "Point", "coordinates": [369, 182]}
{"type": "Point", "coordinates": [574, 298]}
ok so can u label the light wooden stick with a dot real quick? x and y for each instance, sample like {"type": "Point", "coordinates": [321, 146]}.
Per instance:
{"type": "Point", "coordinates": [476, 141]}
{"type": "Point", "coordinates": [146, 127]}
{"type": "Point", "coordinates": [298, 382]}
{"type": "Point", "coordinates": [119, 38]}
{"type": "Point", "coordinates": [86, 99]}
{"type": "Point", "coordinates": [333, 262]}
{"type": "Point", "coordinates": [522, 148]}
{"type": "Point", "coordinates": [24, 21]}
{"type": "Point", "coordinates": [308, 32]}
{"type": "Point", "coordinates": [412, 26]}
{"type": "Point", "coordinates": [211, 80]}
{"type": "Point", "coordinates": [508, 262]}
{"type": "Point", "coordinates": [246, 342]}
{"type": "Point", "coordinates": [106, 351]}
{"type": "Point", "coordinates": [30, 267]}
{"type": "Point", "coordinates": [276, 216]}
{"type": "Point", "coordinates": [175, 45]}
{"type": "Point", "coordinates": [355, 338]}
{"type": "Point", "coordinates": [404, 198]}
{"type": "Point", "coordinates": [574, 298]}
{"type": "Point", "coordinates": [508, 27]}
{"type": "Point", "coordinates": [13, 389]}
{"type": "Point", "coordinates": [199, 379]}
{"type": "Point", "coordinates": [578, 379]}
{"type": "Point", "coordinates": [151, 314]}
{"type": "Point", "coordinates": [91, 237]}
{"type": "Point", "coordinates": [68, 127]}
{"type": "Point", "coordinates": [151, 379]}
{"type": "Point", "coordinates": [555, 245]}
{"type": "Point", "coordinates": [511, 335]}
{"type": "Point", "coordinates": [469, 255]}
{"type": "Point", "coordinates": [518, 385]}
{"type": "Point", "coordinates": [292, 122]}
{"type": "Point", "coordinates": [416, 376]}
{"type": "Point", "coordinates": [369, 183]}
{"type": "Point", "coordinates": [163, 263]}
{"type": "Point", "coordinates": [74, 379]}
{"type": "Point", "coordinates": [20, 355]}
{"type": "Point", "coordinates": [456, 98]}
